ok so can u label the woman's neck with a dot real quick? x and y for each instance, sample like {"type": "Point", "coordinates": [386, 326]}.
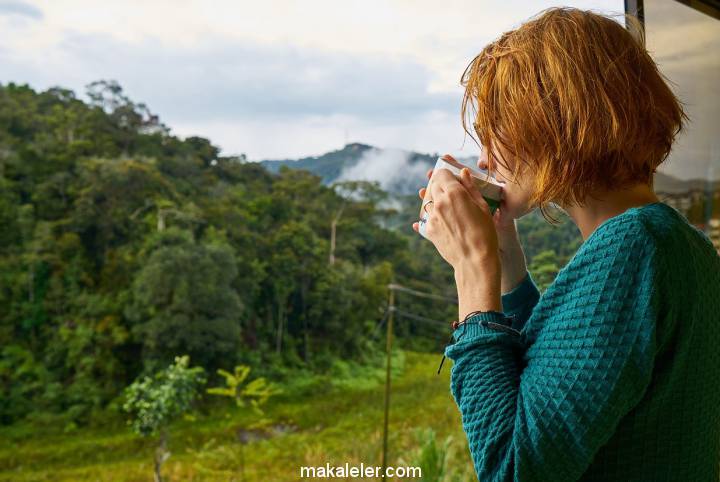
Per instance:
{"type": "Point", "coordinates": [608, 204]}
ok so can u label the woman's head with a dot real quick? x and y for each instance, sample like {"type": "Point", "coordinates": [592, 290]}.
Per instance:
{"type": "Point", "coordinates": [568, 105]}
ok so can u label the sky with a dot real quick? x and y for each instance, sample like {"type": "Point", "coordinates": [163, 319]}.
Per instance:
{"type": "Point", "coordinates": [278, 78]}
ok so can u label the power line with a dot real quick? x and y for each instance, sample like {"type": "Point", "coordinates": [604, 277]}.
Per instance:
{"type": "Point", "coordinates": [421, 318]}
{"type": "Point", "coordinates": [391, 310]}
{"type": "Point", "coordinates": [376, 330]}
{"type": "Point", "coordinates": [421, 294]}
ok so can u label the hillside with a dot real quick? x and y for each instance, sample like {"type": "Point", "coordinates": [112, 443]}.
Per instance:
{"type": "Point", "coordinates": [398, 171]}
{"type": "Point", "coordinates": [124, 246]}
{"type": "Point", "coordinates": [405, 170]}
{"type": "Point", "coordinates": [328, 166]}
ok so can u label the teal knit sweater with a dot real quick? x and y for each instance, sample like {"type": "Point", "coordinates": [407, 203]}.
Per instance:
{"type": "Point", "coordinates": [613, 374]}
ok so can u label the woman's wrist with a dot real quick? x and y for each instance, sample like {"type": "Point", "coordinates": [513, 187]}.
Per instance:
{"type": "Point", "coordinates": [514, 271]}
{"type": "Point", "coordinates": [513, 262]}
{"type": "Point", "coordinates": [478, 286]}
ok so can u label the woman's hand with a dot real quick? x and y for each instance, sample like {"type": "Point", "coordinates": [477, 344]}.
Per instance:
{"type": "Point", "coordinates": [460, 224]}
{"type": "Point", "coordinates": [512, 256]}
{"type": "Point", "coordinates": [462, 229]}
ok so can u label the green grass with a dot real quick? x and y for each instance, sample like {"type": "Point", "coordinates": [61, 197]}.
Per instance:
{"type": "Point", "coordinates": [341, 422]}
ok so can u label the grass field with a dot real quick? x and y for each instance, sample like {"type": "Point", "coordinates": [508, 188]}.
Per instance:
{"type": "Point", "coordinates": [337, 424]}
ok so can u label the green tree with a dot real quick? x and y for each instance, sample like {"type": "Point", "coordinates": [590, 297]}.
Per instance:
{"type": "Point", "coordinates": [297, 257]}
{"type": "Point", "coordinates": [123, 245]}
{"type": "Point", "coordinates": [183, 301]}
{"type": "Point", "coordinates": [154, 402]}
{"type": "Point", "coordinates": [126, 118]}
{"type": "Point", "coordinates": [544, 267]}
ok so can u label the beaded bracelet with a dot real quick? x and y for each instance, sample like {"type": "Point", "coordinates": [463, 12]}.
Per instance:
{"type": "Point", "coordinates": [489, 324]}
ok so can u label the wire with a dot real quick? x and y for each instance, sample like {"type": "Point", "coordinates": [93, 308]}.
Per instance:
{"type": "Point", "coordinates": [421, 318]}
{"type": "Point", "coordinates": [376, 330]}
{"type": "Point", "coordinates": [421, 294]}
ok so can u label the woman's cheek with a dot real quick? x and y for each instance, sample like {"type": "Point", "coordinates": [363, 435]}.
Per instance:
{"type": "Point", "coordinates": [516, 204]}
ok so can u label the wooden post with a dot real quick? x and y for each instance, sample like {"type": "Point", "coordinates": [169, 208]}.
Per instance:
{"type": "Point", "coordinates": [388, 350]}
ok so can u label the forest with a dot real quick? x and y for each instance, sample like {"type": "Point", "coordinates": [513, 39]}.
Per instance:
{"type": "Point", "coordinates": [123, 246]}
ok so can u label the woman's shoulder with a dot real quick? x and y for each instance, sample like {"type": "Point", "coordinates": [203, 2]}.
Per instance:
{"type": "Point", "coordinates": [614, 268]}
{"type": "Point", "coordinates": [644, 237]}
{"type": "Point", "coordinates": [631, 233]}
{"type": "Point", "coordinates": [647, 256]}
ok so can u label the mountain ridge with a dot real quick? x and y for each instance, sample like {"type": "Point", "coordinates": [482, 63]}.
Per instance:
{"type": "Point", "coordinates": [331, 165]}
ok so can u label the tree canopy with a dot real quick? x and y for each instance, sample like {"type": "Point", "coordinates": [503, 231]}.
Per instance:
{"type": "Point", "coordinates": [123, 246]}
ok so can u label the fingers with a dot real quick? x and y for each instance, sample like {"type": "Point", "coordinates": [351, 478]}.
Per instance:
{"type": "Point", "coordinates": [441, 180]}
{"type": "Point", "coordinates": [429, 173]}
{"type": "Point", "coordinates": [466, 178]}
{"type": "Point", "coordinates": [416, 226]}
{"type": "Point", "coordinates": [469, 184]}
{"type": "Point", "coordinates": [422, 192]}
{"type": "Point", "coordinates": [467, 181]}
{"type": "Point", "coordinates": [449, 157]}
{"type": "Point", "coordinates": [497, 216]}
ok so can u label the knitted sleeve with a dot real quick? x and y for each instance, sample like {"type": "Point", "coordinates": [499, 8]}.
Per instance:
{"type": "Point", "coordinates": [541, 411]}
{"type": "Point", "coordinates": [520, 301]}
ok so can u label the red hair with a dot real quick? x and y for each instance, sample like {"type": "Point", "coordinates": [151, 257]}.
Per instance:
{"type": "Point", "coordinates": [577, 99]}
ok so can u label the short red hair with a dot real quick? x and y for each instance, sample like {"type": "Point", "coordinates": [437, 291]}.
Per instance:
{"type": "Point", "coordinates": [577, 99]}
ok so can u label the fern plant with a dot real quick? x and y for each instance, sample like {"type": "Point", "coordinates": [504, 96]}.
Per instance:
{"type": "Point", "coordinates": [252, 394]}
{"type": "Point", "coordinates": [248, 395]}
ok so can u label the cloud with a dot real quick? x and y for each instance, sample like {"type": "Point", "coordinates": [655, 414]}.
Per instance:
{"type": "Point", "coordinates": [303, 84]}
{"type": "Point", "coordinates": [223, 79]}
{"type": "Point", "coordinates": [266, 101]}
{"type": "Point", "coordinates": [293, 138]}
{"type": "Point", "coordinates": [390, 167]}
{"type": "Point", "coordinates": [20, 8]}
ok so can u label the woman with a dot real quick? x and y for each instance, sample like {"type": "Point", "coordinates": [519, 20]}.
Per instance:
{"type": "Point", "coordinates": [613, 374]}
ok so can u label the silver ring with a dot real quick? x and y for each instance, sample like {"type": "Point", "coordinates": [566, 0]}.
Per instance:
{"type": "Point", "coordinates": [426, 205]}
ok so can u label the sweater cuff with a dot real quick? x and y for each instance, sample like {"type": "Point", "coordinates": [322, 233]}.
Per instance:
{"type": "Point", "coordinates": [515, 299]}
{"type": "Point", "coordinates": [486, 323]}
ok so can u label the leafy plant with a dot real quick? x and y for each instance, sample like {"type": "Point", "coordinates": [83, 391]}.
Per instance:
{"type": "Point", "coordinates": [249, 395]}
{"type": "Point", "coordinates": [154, 402]}
{"type": "Point", "coordinates": [252, 394]}
{"type": "Point", "coordinates": [433, 458]}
